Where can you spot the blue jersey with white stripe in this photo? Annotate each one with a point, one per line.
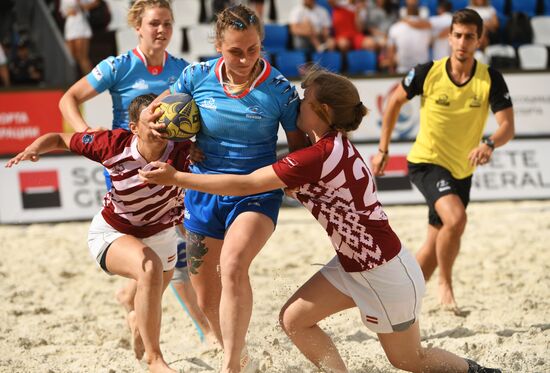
(239, 132)
(128, 76)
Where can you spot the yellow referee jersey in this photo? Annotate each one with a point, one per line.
(452, 117)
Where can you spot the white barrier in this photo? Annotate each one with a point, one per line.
(71, 187)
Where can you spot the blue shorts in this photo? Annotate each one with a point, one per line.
(210, 214)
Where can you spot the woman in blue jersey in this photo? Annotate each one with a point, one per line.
(148, 68)
(242, 99)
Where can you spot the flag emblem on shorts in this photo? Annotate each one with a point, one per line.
(39, 189)
(396, 175)
(371, 319)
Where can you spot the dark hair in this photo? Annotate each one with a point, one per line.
(341, 95)
(238, 17)
(138, 104)
(468, 17)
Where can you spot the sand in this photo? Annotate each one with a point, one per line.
(58, 312)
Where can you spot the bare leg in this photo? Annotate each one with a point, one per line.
(314, 301)
(453, 215)
(404, 352)
(188, 296)
(243, 241)
(426, 256)
(203, 259)
(129, 257)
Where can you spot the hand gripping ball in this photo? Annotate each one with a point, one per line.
(181, 116)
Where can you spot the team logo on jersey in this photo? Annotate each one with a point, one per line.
(87, 139)
(476, 102)
(409, 78)
(443, 185)
(209, 103)
(443, 100)
(289, 161)
(507, 96)
(254, 112)
(140, 84)
(97, 74)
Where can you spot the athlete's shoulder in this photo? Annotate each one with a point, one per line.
(280, 86)
(178, 61)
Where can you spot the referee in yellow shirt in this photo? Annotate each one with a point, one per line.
(456, 94)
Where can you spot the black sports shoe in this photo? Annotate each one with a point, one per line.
(474, 367)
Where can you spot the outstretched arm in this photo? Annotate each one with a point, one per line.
(44, 144)
(261, 180)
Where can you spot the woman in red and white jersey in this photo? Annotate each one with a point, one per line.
(371, 269)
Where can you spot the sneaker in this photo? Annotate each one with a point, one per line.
(474, 367)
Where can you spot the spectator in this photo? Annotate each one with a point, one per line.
(4, 71)
(440, 25)
(423, 11)
(488, 14)
(25, 69)
(348, 17)
(310, 27)
(381, 14)
(407, 45)
(78, 31)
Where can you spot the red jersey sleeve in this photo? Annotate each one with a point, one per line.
(302, 166)
(101, 145)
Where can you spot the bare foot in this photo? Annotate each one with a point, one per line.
(446, 296)
(137, 342)
(158, 365)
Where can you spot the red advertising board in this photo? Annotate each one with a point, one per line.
(26, 115)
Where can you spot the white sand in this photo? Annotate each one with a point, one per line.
(58, 313)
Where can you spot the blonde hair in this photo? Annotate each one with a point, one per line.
(341, 95)
(238, 17)
(135, 13)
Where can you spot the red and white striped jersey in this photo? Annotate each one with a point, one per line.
(131, 206)
(333, 182)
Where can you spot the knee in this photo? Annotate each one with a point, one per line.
(233, 271)
(151, 271)
(289, 320)
(457, 222)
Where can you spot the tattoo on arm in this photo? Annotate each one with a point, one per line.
(196, 250)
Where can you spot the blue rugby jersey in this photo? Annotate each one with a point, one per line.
(239, 132)
(128, 76)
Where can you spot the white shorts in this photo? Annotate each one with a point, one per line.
(101, 235)
(389, 296)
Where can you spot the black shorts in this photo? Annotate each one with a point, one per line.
(434, 182)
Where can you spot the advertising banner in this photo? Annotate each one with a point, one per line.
(26, 115)
(518, 170)
(57, 188)
(62, 188)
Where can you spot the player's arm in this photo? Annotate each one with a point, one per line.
(77, 94)
(396, 101)
(261, 180)
(296, 140)
(44, 144)
(501, 105)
